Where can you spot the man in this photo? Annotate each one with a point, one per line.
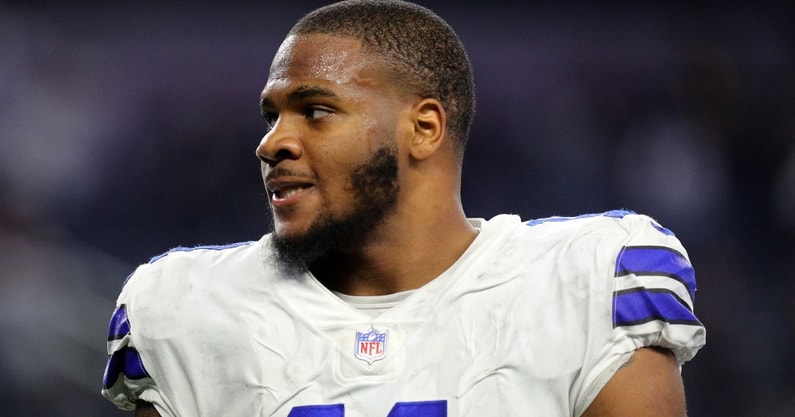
(375, 295)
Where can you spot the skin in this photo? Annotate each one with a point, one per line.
(330, 107)
(145, 409)
(649, 385)
(319, 138)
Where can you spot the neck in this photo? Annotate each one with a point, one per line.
(401, 255)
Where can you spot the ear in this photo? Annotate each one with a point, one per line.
(430, 121)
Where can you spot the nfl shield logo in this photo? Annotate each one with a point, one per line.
(370, 345)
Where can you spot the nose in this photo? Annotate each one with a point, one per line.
(279, 144)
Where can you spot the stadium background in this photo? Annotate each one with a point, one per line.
(127, 129)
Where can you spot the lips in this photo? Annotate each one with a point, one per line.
(282, 193)
(285, 185)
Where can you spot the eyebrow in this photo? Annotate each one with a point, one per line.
(302, 93)
(309, 91)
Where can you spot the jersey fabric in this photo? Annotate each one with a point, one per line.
(532, 320)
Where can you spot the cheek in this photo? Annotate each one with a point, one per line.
(380, 127)
(336, 162)
(372, 135)
(338, 156)
(334, 170)
(339, 153)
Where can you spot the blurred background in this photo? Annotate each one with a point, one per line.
(129, 128)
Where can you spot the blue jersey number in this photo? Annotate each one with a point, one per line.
(407, 409)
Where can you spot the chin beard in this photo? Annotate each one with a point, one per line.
(375, 189)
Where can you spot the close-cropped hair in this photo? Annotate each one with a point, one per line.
(422, 50)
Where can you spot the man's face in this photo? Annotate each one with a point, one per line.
(330, 159)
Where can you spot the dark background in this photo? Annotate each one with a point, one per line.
(128, 129)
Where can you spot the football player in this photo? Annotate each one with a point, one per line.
(375, 295)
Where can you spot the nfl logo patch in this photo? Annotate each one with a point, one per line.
(370, 345)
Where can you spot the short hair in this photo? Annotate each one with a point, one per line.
(422, 50)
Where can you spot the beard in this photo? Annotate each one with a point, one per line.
(375, 189)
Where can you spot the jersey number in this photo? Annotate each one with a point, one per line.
(407, 409)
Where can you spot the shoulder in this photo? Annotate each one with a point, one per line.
(650, 280)
(201, 251)
(605, 232)
(607, 258)
(217, 255)
(182, 269)
(167, 307)
(622, 223)
(567, 255)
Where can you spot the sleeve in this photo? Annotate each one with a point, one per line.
(125, 379)
(654, 291)
(651, 296)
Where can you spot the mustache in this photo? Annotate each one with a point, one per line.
(284, 172)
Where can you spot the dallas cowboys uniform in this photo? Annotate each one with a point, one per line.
(532, 320)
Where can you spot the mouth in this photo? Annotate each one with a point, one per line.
(286, 191)
(286, 186)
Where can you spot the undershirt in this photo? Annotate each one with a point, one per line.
(374, 305)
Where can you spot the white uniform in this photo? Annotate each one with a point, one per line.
(532, 320)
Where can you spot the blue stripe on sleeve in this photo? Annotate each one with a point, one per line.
(113, 369)
(657, 260)
(119, 326)
(133, 366)
(126, 361)
(638, 306)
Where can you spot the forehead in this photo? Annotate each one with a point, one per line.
(321, 59)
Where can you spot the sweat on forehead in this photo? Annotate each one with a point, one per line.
(317, 55)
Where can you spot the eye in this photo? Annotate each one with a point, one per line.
(317, 112)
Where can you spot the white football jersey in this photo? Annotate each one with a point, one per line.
(532, 320)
